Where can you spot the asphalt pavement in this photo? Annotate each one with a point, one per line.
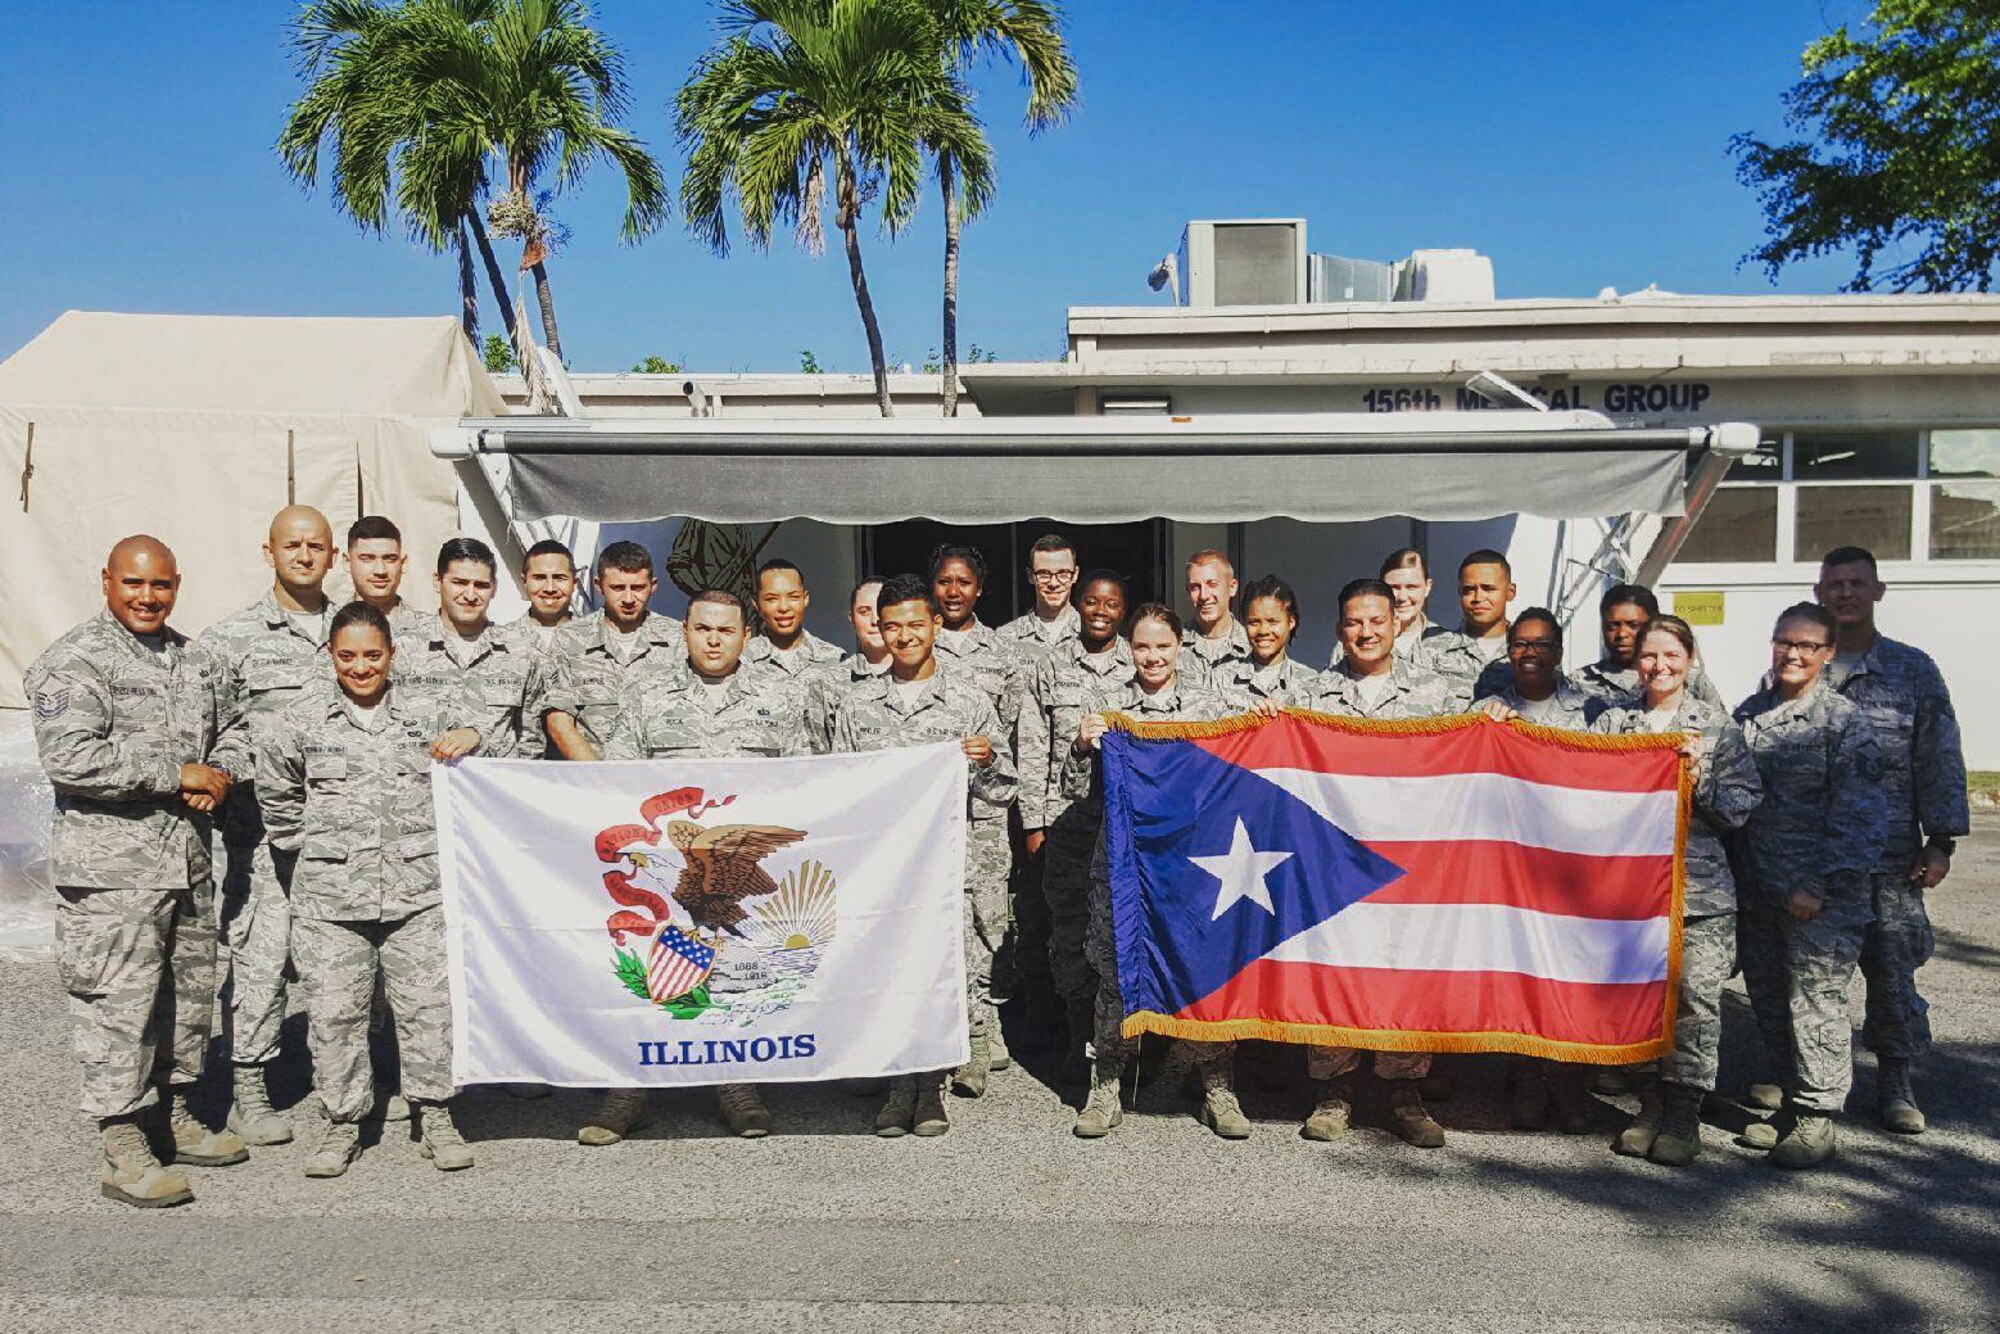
(1009, 1223)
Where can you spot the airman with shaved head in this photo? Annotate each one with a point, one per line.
(265, 656)
(128, 724)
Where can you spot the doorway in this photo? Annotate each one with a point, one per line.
(1136, 550)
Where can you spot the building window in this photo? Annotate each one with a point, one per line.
(1876, 517)
(1740, 524)
(1965, 511)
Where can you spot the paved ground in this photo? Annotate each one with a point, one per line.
(1009, 1223)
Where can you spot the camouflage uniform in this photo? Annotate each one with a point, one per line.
(1032, 638)
(1821, 828)
(1457, 656)
(1727, 792)
(1413, 692)
(1570, 706)
(811, 654)
(981, 656)
(265, 658)
(752, 714)
(353, 804)
(1202, 658)
(585, 674)
(1065, 685)
(874, 715)
(1618, 687)
(1243, 683)
(135, 937)
(825, 687)
(1923, 778)
(501, 682)
(1183, 702)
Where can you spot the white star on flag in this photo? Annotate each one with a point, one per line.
(1242, 870)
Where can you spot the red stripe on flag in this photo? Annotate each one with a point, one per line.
(1377, 999)
(1294, 743)
(1517, 876)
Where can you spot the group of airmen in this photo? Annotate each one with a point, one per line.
(303, 732)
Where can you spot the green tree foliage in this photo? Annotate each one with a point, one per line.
(656, 366)
(808, 363)
(499, 355)
(1907, 154)
(802, 98)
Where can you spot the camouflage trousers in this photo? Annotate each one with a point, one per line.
(1797, 974)
(1066, 889)
(1898, 942)
(1336, 1062)
(1708, 957)
(139, 967)
(1101, 949)
(338, 963)
(256, 920)
(988, 858)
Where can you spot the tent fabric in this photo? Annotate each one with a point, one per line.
(1088, 476)
(177, 426)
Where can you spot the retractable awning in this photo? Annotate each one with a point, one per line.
(1328, 467)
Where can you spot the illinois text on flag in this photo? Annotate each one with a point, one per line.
(1433, 885)
(660, 922)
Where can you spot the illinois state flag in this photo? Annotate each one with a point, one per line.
(1434, 885)
(667, 922)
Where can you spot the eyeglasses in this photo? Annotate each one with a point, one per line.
(1805, 648)
(1545, 647)
(1052, 576)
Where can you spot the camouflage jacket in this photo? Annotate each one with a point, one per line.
(1727, 790)
(873, 715)
(824, 688)
(753, 714)
(585, 678)
(1413, 692)
(498, 683)
(1024, 635)
(1568, 707)
(1065, 686)
(263, 661)
(1825, 815)
(995, 665)
(1618, 687)
(1455, 654)
(1923, 762)
(1242, 683)
(354, 804)
(1213, 654)
(1183, 702)
(114, 722)
(812, 652)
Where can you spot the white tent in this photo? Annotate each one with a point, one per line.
(196, 429)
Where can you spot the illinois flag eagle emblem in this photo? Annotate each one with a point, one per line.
(704, 921)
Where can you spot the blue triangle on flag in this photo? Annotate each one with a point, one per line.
(1167, 802)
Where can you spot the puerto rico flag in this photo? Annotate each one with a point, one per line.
(1432, 885)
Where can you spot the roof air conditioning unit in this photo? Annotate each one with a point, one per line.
(1445, 275)
(1335, 280)
(1244, 262)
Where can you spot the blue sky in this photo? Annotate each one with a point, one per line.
(1580, 145)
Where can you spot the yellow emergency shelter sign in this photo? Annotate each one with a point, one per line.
(1699, 608)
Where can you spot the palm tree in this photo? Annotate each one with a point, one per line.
(798, 90)
(365, 110)
(1028, 31)
(440, 95)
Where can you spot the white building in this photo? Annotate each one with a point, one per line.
(1880, 418)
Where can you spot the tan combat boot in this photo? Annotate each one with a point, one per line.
(1679, 1139)
(441, 1142)
(1636, 1140)
(251, 1115)
(1101, 1111)
(930, 1118)
(1810, 1143)
(1409, 1118)
(1331, 1113)
(744, 1110)
(620, 1113)
(1220, 1111)
(1895, 1101)
(969, 1080)
(132, 1175)
(896, 1114)
(339, 1145)
(195, 1145)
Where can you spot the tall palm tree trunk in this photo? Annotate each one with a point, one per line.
(468, 286)
(548, 305)
(494, 276)
(947, 177)
(847, 215)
